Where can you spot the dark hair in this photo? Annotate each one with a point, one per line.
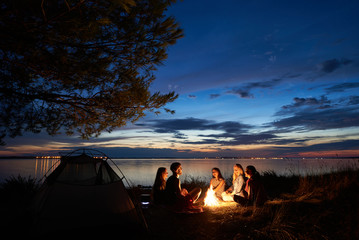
(219, 172)
(253, 170)
(175, 166)
(160, 183)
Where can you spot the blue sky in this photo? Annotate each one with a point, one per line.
(254, 78)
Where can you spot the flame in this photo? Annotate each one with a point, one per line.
(211, 199)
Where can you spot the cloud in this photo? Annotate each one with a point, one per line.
(176, 125)
(142, 152)
(353, 100)
(312, 113)
(231, 133)
(339, 146)
(231, 139)
(320, 120)
(244, 139)
(342, 87)
(321, 103)
(331, 65)
(127, 152)
(244, 91)
(192, 96)
(264, 84)
(214, 95)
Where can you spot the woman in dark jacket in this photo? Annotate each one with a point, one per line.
(254, 187)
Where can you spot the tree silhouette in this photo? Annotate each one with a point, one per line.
(81, 66)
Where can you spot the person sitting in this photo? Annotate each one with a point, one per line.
(255, 193)
(159, 186)
(237, 189)
(254, 187)
(176, 197)
(217, 183)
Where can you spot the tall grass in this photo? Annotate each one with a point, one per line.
(277, 185)
(191, 182)
(18, 190)
(326, 186)
(16, 194)
(320, 206)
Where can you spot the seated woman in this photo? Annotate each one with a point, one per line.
(179, 199)
(254, 187)
(237, 189)
(217, 183)
(255, 193)
(158, 189)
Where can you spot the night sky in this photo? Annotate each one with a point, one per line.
(254, 78)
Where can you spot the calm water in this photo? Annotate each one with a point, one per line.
(143, 171)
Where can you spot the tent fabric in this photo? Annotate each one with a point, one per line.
(83, 191)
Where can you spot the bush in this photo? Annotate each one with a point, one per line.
(18, 190)
(275, 185)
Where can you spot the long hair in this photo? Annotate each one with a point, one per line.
(241, 172)
(254, 171)
(160, 182)
(219, 173)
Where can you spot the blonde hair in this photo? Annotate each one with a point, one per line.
(241, 172)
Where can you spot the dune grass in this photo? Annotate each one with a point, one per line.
(321, 206)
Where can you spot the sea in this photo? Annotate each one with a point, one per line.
(143, 171)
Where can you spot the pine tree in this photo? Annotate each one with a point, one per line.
(81, 66)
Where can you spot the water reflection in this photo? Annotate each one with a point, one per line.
(142, 171)
(35, 168)
(45, 166)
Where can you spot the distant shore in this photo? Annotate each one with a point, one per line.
(18, 157)
(224, 158)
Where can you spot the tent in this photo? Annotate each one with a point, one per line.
(84, 191)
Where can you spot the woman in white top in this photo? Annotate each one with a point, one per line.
(238, 184)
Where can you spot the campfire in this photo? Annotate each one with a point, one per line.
(211, 199)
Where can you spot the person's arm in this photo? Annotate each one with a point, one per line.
(184, 192)
(180, 191)
(230, 189)
(247, 189)
(219, 186)
(239, 184)
(249, 194)
(235, 186)
(178, 187)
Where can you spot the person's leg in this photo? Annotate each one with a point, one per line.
(241, 200)
(227, 197)
(195, 193)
